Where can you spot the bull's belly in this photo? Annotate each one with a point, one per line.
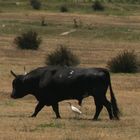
(58, 95)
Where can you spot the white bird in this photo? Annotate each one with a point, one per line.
(74, 109)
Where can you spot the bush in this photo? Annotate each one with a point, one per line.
(63, 57)
(28, 40)
(97, 6)
(36, 4)
(125, 62)
(64, 8)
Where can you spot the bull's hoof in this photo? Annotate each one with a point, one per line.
(96, 119)
(58, 117)
(33, 116)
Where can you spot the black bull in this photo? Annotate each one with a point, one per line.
(51, 84)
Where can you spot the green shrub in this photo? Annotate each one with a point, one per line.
(28, 40)
(97, 6)
(63, 57)
(125, 62)
(63, 8)
(36, 4)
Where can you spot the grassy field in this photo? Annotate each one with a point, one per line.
(99, 37)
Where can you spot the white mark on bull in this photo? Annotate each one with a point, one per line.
(60, 75)
(70, 74)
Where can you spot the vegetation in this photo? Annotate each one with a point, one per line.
(97, 6)
(125, 62)
(36, 4)
(63, 8)
(112, 7)
(28, 40)
(63, 57)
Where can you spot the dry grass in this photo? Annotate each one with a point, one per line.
(15, 123)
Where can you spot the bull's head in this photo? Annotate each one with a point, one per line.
(18, 86)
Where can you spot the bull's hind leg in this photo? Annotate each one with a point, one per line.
(108, 106)
(99, 106)
(56, 110)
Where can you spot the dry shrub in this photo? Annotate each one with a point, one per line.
(97, 6)
(28, 40)
(36, 4)
(64, 8)
(125, 62)
(63, 57)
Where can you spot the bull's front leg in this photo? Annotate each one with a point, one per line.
(37, 109)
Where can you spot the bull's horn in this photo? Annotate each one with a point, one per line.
(25, 72)
(13, 74)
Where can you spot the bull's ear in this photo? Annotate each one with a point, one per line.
(13, 74)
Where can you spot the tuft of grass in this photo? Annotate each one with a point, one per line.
(64, 8)
(50, 125)
(125, 62)
(97, 6)
(63, 57)
(28, 40)
(36, 4)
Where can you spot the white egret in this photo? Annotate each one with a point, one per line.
(75, 109)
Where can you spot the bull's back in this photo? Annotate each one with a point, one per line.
(73, 80)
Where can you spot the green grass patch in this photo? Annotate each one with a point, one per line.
(12, 5)
(8, 27)
(107, 32)
(53, 125)
(120, 33)
(111, 8)
(50, 125)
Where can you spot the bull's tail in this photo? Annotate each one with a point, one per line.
(115, 108)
